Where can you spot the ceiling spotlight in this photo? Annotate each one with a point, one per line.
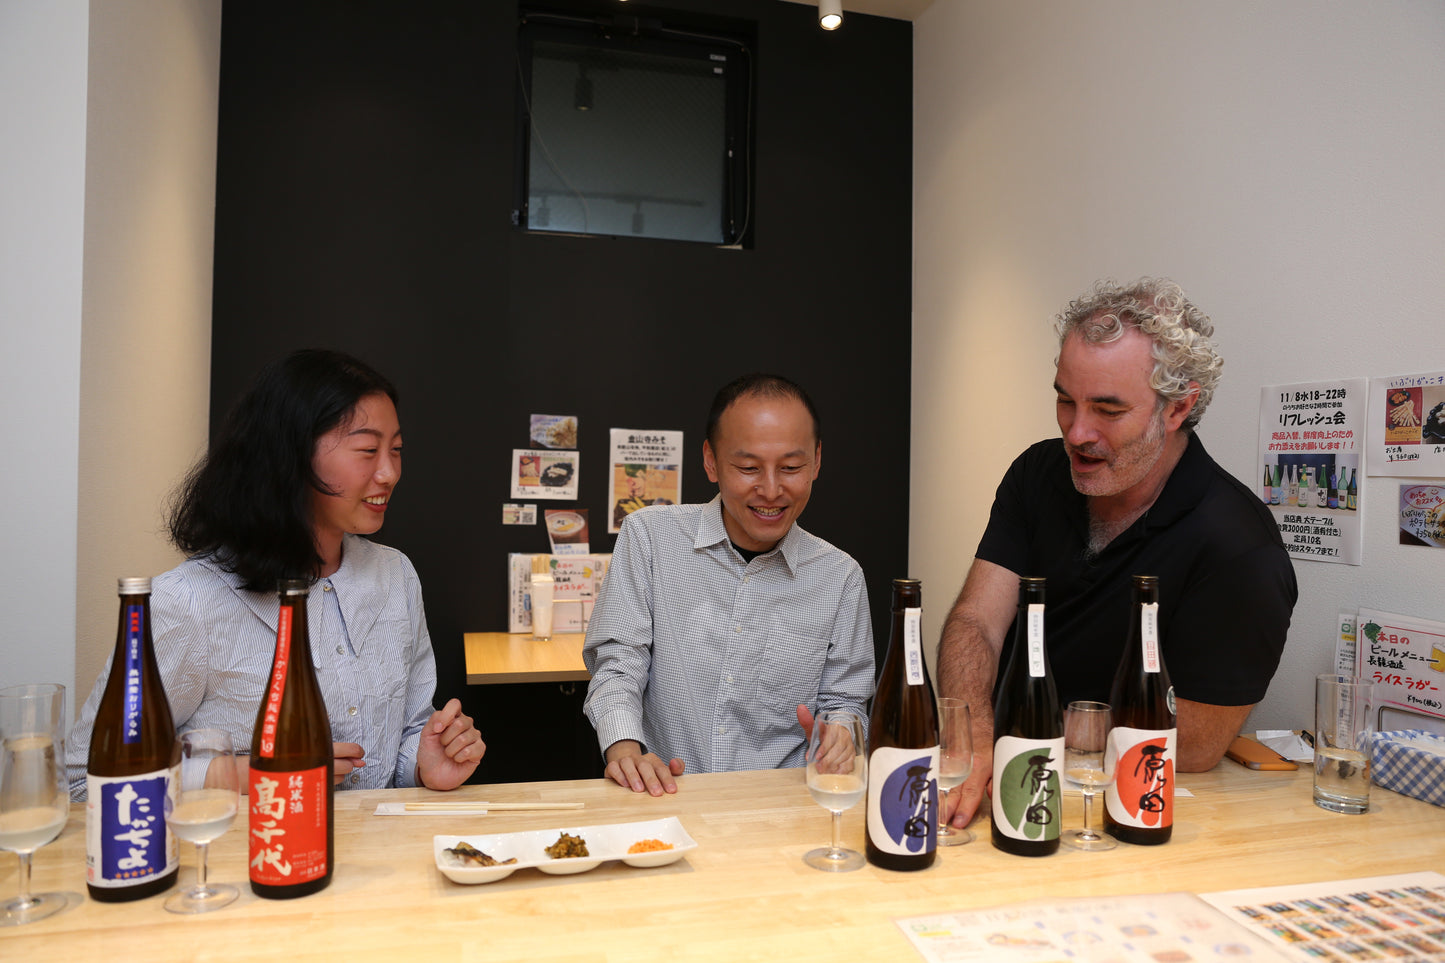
(830, 14)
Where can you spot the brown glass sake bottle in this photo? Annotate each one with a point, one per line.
(291, 795)
(902, 806)
(1028, 739)
(133, 771)
(1139, 804)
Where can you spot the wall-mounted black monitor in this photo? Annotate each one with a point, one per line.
(629, 126)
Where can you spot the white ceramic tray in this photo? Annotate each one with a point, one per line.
(604, 842)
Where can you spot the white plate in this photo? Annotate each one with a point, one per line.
(605, 842)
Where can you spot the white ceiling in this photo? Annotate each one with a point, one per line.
(897, 9)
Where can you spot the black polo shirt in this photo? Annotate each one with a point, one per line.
(1226, 585)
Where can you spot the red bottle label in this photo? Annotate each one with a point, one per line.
(1143, 792)
(288, 825)
(278, 682)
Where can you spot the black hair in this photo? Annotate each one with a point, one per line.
(247, 501)
(762, 385)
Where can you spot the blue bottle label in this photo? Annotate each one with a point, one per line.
(134, 635)
(903, 800)
(128, 839)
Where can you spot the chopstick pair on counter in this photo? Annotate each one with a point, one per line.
(468, 807)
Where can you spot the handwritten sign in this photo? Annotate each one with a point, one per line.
(1405, 658)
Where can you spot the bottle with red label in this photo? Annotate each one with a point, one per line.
(1139, 805)
(291, 796)
(133, 770)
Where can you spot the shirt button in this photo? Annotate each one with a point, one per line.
(326, 587)
(746, 578)
(341, 650)
(352, 711)
(737, 628)
(722, 730)
(730, 676)
(355, 778)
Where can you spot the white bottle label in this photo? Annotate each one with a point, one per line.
(1027, 797)
(913, 645)
(1036, 641)
(1149, 633)
(1142, 794)
(128, 839)
(903, 800)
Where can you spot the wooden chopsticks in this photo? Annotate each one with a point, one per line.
(462, 807)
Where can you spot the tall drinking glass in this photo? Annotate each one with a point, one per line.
(837, 778)
(205, 809)
(955, 759)
(1086, 765)
(34, 796)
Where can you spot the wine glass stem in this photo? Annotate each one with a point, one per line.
(23, 901)
(1088, 795)
(201, 868)
(837, 831)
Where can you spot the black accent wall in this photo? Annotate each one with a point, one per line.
(364, 191)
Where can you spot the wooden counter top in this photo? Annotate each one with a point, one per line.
(515, 657)
(743, 894)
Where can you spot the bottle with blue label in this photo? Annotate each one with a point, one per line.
(902, 801)
(133, 772)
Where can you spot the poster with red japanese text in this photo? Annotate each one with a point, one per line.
(1311, 462)
(1409, 411)
(1405, 658)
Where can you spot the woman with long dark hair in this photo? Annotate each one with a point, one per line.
(303, 466)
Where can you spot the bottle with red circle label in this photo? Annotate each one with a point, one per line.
(1139, 804)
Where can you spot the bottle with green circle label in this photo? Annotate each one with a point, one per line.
(1028, 739)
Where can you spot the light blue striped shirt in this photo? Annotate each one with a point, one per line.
(214, 642)
(700, 655)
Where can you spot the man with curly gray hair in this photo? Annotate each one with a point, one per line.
(1127, 490)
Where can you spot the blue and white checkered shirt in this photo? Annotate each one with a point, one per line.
(700, 655)
(214, 642)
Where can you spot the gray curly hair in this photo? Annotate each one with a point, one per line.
(1180, 332)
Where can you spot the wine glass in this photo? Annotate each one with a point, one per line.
(205, 809)
(837, 778)
(955, 760)
(34, 796)
(1086, 765)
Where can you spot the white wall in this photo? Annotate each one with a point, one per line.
(149, 235)
(106, 215)
(42, 195)
(1285, 162)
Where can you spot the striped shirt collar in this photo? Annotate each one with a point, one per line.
(712, 531)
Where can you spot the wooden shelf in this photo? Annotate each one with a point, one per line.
(496, 657)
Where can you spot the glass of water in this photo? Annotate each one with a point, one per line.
(955, 760)
(1344, 722)
(1087, 765)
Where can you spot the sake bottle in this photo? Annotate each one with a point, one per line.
(902, 802)
(133, 771)
(1342, 490)
(291, 795)
(1139, 805)
(1354, 491)
(1322, 482)
(1028, 738)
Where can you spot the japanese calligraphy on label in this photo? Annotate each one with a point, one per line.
(1311, 446)
(646, 469)
(1409, 411)
(1422, 515)
(127, 826)
(288, 825)
(1405, 658)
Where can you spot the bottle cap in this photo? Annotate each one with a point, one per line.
(293, 586)
(133, 586)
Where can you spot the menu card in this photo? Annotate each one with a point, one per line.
(1379, 918)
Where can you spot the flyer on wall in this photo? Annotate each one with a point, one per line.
(1311, 441)
(1409, 411)
(539, 473)
(645, 469)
